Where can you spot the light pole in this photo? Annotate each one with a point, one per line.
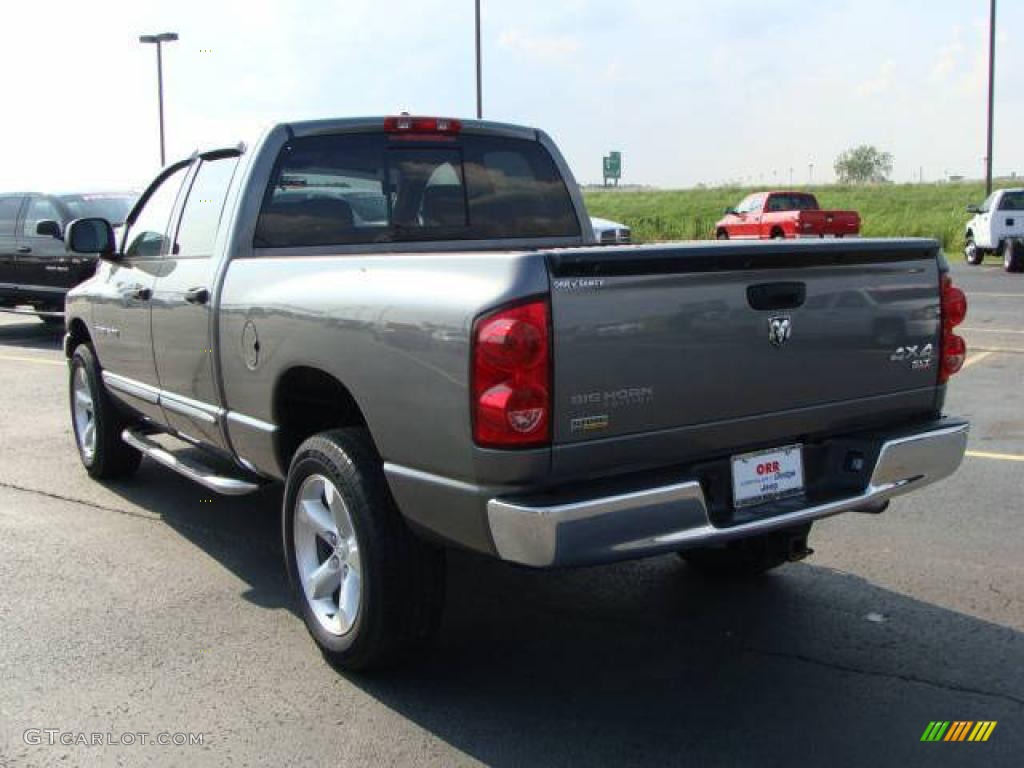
(991, 92)
(163, 37)
(479, 81)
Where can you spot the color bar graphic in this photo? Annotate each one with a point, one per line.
(958, 730)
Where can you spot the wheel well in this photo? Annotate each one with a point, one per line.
(308, 401)
(968, 233)
(79, 334)
(778, 231)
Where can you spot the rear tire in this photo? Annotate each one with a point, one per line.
(1013, 256)
(972, 253)
(370, 591)
(778, 234)
(721, 235)
(96, 421)
(750, 557)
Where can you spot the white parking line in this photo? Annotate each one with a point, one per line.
(995, 295)
(996, 456)
(993, 330)
(977, 358)
(43, 360)
(1011, 350)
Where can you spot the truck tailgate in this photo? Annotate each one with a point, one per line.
(654, 339)
(828, 222)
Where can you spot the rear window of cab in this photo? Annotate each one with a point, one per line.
(363, 188)
(792, 202)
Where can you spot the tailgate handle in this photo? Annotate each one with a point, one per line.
(771, 296)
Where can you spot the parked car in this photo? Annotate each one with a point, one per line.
(997, 228)
(470, 372)
(777, 215)
(36, 270)
(609, 232)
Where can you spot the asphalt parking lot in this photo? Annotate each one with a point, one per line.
(149, 607)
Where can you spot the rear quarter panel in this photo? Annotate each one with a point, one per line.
(784, 220)
(394, 329)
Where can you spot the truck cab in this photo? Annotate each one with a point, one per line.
(997, 228)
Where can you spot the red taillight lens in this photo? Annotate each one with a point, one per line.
(410, 124)
(511, 377)
(954, 303)
(954, 310)
(954, 350)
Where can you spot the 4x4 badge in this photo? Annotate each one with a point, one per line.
(779, 329)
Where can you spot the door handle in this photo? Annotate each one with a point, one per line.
(141, 293)
(197, 295)
(24, 249)
(770, 296)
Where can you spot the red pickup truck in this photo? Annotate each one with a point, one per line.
(765, 215)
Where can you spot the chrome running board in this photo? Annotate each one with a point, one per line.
(188, 467)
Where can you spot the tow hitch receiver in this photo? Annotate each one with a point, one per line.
(798, 549)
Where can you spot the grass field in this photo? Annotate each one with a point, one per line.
(892, 210)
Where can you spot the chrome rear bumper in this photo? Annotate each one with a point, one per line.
(674, 517)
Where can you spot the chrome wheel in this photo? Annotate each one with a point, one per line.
(327, 555)
(84, 414)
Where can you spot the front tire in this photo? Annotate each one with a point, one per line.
(749, 557)
(370, 591)
(972, 254)
(1013, 256)
(721, 235)
(96, 421)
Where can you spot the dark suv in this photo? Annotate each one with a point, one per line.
(35, 268)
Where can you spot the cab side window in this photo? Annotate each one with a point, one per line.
(40, 209)
(204, 208)
(147, 236)
(1012, 201)
(9, 207)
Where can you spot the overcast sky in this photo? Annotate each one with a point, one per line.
(689, 90)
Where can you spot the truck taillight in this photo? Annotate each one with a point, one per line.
(511, 377)
(954, 310)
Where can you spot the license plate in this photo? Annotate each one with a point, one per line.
(767, 475)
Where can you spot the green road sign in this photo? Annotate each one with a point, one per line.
(613, 165)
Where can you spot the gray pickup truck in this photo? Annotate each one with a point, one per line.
(408, 322)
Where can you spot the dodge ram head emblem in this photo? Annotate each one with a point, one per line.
(779, 329)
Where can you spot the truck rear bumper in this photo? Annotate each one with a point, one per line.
(827, 236)
(556, 530)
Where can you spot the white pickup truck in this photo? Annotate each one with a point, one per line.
(997, 227)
